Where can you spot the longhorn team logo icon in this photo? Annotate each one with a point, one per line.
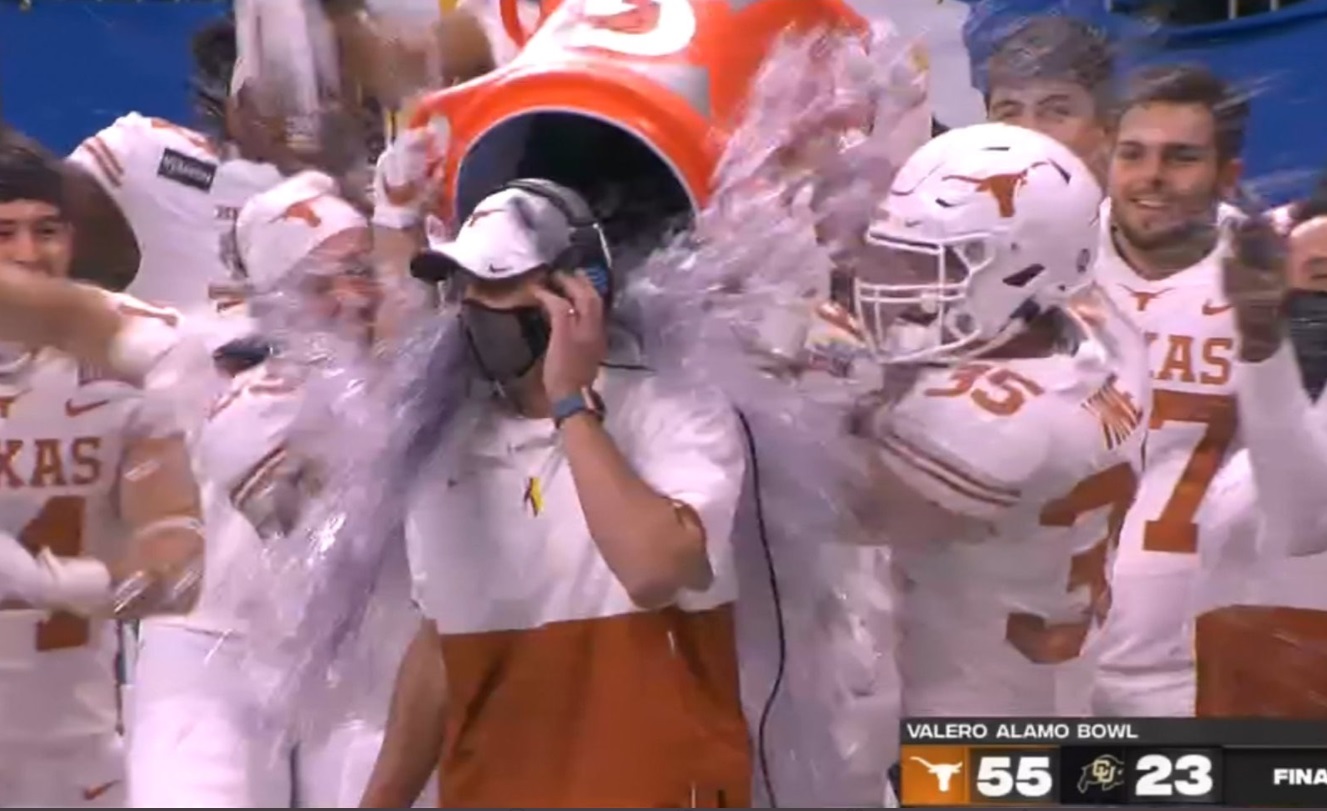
(933, 775)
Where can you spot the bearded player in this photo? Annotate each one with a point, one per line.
(1010, 451)
(1176, 156)
(99, 520)
(204, 736)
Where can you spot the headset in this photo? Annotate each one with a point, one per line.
(588, 248)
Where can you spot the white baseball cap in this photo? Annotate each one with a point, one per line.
(511, 232)
(279, 230)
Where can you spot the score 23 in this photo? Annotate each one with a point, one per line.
(648, 28)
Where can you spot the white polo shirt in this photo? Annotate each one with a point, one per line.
(496, 536)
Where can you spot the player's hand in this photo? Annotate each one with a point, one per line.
(579, 342)
(1256, 286)
(402, 187)
(21, 576)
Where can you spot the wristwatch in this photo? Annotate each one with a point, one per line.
(587, 399)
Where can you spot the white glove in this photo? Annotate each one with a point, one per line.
(82, 585)
(401, 187)
(20, 575)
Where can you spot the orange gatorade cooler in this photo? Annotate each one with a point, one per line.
(629, 101)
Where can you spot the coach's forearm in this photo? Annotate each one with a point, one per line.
(653, 545)
(404, 296)
(412, 746)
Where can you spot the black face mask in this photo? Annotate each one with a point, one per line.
(1307, 314)
(505, 343)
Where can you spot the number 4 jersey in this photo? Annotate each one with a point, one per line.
(65, 433)
(1043, 452)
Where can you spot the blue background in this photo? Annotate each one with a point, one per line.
(68, 67)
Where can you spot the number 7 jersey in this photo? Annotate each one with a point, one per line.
(1043, 454)
(1192, 431)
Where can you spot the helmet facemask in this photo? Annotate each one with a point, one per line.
(913, 299)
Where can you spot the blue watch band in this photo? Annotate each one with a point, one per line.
(585, 400)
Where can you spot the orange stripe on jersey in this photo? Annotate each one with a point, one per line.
(110, 153)
(944, 473)
(105, 160)
(258, 476)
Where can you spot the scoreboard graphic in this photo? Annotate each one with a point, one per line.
(1181, 762)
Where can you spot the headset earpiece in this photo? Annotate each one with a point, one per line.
(601, 278)
(588, 249)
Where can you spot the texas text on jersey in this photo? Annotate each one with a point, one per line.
(1044, 452)
(65, 434)
(180, 194)
(1192, 431)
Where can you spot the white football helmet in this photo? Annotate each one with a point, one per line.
(985, 227)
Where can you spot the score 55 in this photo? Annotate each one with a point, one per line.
(1015, 775)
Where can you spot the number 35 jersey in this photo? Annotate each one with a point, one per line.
(1042, 454)
(64, 430)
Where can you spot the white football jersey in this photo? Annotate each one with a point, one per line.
(65, 432)
(1044, 453)
(1192, 431)
(238, 449)
(180, 193)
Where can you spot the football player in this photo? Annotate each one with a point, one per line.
(194, 705)
(1009, 447)
(156, 201)
(99, 521)
(1054, 74)
(203, 735)
(1176, 157)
